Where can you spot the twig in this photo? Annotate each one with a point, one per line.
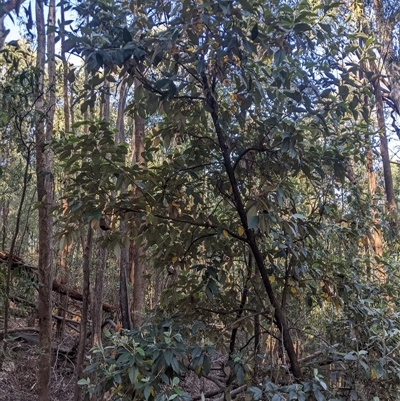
(234, 392)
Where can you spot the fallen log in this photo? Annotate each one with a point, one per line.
(33, 339)
(69, 322)
(19, 330)
(58, 287)
(17, 262)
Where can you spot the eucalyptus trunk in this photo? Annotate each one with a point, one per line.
(137, 251)
(85, 308)
(5, 209)
(12, 251)
(63, 299)
(97, 298)
(44, 170)
(65, 72)
(384, 149)
(124, 229)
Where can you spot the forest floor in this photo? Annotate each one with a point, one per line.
(18, 374)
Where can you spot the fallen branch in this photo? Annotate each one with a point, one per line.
(234, 392)
(20, 330)
(208, 395)
(58, 287)
(317, 353)
(110, 322)
(23, 301)
(17, 262)
(69, 322)
(219, 383)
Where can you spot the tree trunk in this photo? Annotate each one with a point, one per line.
(375, 238)
(137, 250)
(280, 316)
(5, 209)
(124, 257)
(51, 70)
(97, 302)
(44, 169)
(63, 298)
(65, 72)
(386, 24)
(26, 225)
(85, 307)
(97, 299)
(12, 248)
(387, 170)
(242, 304)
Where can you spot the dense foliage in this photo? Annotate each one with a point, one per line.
(253, 200)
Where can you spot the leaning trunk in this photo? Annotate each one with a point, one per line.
(279, 314)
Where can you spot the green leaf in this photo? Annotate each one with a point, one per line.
(168, 356)
(344, 91)
(253, 222)
(239, 374)
(350, 357)
(164, 378)
(206, 365)
(126, 35)
(175, 366)
(318, 395)
(279, 56)
(133, 374)
(71, 76)
(325, 93)
(146, 391)
(254, 32)
(302, 28)
(327, 28)
(201, 65)
(255, 392)
(84, 107)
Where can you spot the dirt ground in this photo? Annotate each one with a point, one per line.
(18, 376)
